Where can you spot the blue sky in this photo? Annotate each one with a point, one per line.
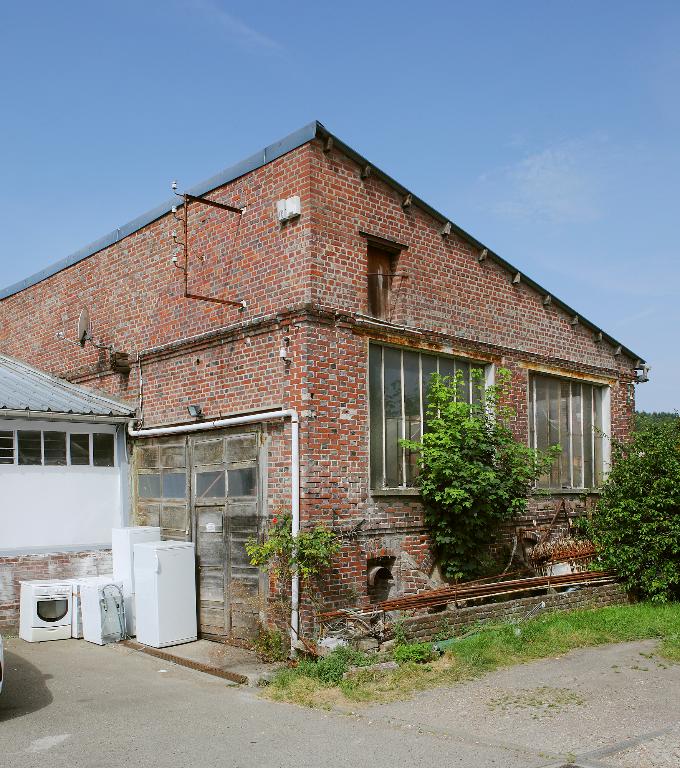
(548, 130)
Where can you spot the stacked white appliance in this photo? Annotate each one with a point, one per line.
(165, 593)
(123, 541)
(76, 604)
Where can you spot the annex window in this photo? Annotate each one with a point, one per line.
(570, 414)
(102, 449)
(398, 382)
(6, 447)
(381, 269)
(30, 447)
(57, 448)
(80, 449)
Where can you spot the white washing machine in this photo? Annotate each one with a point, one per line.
(45, 610)
(76, 603)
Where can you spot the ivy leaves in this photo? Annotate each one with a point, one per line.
(474, 475)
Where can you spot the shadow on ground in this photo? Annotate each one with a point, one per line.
(24, 689)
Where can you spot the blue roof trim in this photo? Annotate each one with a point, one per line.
(272, 152)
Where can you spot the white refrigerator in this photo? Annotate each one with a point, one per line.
(123, 541)
(165, 593)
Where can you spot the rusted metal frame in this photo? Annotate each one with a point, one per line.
(214, 203)
(192, 198)
(465, 592)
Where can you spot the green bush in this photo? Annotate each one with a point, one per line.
(474, 474)
(330, 669)
(308, 553)
(636, 526)
(271, 644)
(413, 652)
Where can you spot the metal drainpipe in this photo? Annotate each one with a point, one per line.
(255, 418)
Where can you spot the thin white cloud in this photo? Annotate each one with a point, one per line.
(560, 184)
(235, 28)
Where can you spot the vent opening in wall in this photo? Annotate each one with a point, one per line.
(381, 583)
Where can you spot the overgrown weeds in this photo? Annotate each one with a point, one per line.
(322, 683)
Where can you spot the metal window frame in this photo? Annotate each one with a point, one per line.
(402, 427)
(605, 405)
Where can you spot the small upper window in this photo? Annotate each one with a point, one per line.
(381, 268)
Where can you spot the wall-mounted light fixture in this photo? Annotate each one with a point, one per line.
(195, 411)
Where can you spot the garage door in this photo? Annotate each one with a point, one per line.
(206, 488)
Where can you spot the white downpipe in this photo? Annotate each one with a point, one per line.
(256, 418)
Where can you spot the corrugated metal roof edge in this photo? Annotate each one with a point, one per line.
(272, 152)
(121, 408)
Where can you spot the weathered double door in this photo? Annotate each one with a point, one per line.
(225, 503)
(206, 488)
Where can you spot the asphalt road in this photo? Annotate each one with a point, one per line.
(74, 704)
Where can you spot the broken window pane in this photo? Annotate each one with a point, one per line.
(375, 396)
(242, 482)
(174, 485)
(398, 384)
(149, 486)
(393, 416)
(6, 447)
(102, 449)
(210, 485)
(55, 448)
(568, 413)
(80, 449)
(30, 447)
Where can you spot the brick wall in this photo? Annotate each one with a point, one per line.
(305, 282)
(55, 565)
(452, 621)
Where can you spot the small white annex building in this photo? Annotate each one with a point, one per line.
(63, 467)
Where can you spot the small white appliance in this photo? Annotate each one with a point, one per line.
(165, 593)
(76, 605)
(123, 541)
(45, 610)
(103, 611)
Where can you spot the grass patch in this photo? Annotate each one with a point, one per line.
(322, 684)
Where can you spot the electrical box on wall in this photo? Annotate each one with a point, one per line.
(288, 209)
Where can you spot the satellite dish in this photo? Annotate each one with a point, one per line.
(83, 330)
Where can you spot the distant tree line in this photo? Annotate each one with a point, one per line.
(644, 419)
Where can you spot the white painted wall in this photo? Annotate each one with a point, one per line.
(51, 507)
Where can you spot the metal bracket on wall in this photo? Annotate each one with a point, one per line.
(184, 245)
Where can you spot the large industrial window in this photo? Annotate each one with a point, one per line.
(570, 414)
(398, 382)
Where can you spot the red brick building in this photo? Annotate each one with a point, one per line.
(339, 312)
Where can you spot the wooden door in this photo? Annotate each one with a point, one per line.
(225, 510)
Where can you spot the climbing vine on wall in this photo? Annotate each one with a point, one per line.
(474, 474)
